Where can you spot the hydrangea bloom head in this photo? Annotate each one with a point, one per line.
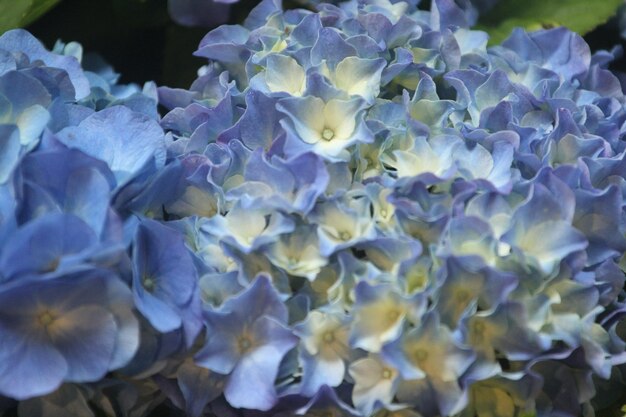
(359, 210)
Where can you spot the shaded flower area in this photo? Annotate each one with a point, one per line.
(355, 211)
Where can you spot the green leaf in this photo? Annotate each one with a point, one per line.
(19, 13)
(579, 15)
(37, 9)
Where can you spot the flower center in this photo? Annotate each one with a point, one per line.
(417, 280)
(327, 134)
(345, 236)
(329, 337)
(393, 315)
(462, 296)
(46, 318)
(244, 344)
(387, 373)
(420, 355)
(149, 284)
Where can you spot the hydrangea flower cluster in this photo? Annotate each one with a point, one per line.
(359, 211)
(73, 143)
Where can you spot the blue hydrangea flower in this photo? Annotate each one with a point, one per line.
(24, 103)
(19, 43)
(71, 182)
(324, 127)
(165, 280)
(528, 223)
(324, 350)
(48, 246)
(247, 228)
(369, 211)
(282, 74)
(341, 225)
(375, 383)
(75, 328)
(354, 76)
(419, 170)
(126, 150)
(430, 364)
(291, 185)
(246, 340)
(298, 253)
(379, 315)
